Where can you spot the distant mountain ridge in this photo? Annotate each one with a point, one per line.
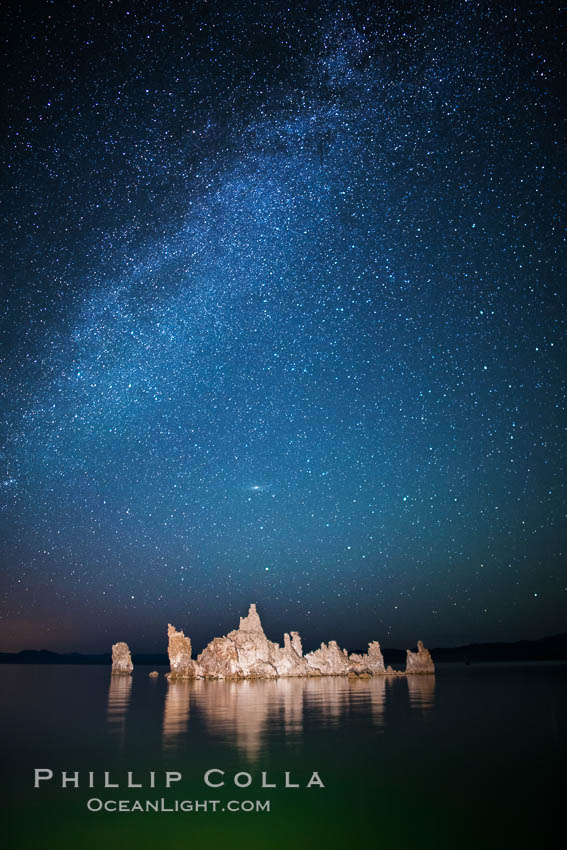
(552, 648)
(45, 656)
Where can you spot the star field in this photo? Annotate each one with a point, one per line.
(283, 322)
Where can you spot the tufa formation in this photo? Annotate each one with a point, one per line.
(246, 653)
(179, 651)
(420, 661)
(121, 659)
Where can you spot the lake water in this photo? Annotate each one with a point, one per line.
(470, 758)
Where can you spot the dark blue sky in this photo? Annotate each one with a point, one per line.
(283, 322)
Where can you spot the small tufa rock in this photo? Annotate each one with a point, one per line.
(121, 659)
(179, 651)
(328, 660)
(219, 660)
(288, 660)
(296, 644)
(154, 674)
(372, 663)
(420, 661)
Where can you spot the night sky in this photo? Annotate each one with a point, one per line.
(283, 321)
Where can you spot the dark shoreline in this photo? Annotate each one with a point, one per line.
(553, 648)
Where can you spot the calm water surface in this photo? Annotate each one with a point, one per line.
(470, 758)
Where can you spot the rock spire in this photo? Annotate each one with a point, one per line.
(420, 661)
(121, 659)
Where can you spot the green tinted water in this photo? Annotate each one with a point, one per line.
(467, 759)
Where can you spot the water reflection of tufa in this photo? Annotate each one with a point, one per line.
(334, 697)
(245, 712)
(119, 694)
(377, 692)
(290, 704)
(329, 696)
(371, 692)
(421, 692)
(176, 712)
(242, 710)
(239, 711)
